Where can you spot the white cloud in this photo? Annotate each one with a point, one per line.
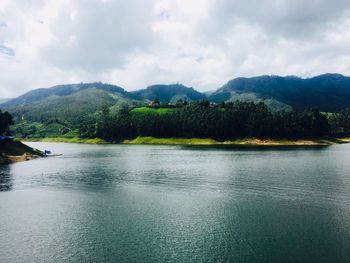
(201, 43)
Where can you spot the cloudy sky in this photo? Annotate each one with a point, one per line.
(136, 43)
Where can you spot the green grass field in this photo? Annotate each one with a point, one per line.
(170, 141)
(66, 140)
(40, 130)
(147, 110)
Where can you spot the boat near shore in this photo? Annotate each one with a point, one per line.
(48, 153)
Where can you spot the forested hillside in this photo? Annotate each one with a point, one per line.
(38, 95)
(222, 122)
(328, 92)
(60, 110)
(169, 93)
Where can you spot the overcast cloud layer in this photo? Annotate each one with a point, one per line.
(200, 43)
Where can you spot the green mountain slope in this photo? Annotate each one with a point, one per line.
(328, 92)
(58, 110)
(169, 93)
(3, 100)
(66, 102)
(38, 95)
(67, 108)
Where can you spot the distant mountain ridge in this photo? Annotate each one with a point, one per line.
(66, 103)
(169, 93)
(4, 100)
(328, 92)
(61, 90)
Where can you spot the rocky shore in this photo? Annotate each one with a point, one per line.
(16, 151)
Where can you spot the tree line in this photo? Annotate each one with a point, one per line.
(224, 121)
(5, 121)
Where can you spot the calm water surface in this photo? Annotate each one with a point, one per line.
(118, 203)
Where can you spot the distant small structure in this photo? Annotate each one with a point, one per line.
(154, 103)
(180, 103)
(213, 105)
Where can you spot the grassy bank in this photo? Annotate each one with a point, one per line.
(174, 141)
(245, 141)
(152, 111)
(67, 140)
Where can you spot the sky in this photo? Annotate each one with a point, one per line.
(137, 43)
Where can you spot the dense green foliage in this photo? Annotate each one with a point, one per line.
(169, 93)
(38, 95)
(5, 122)
(340, 122)
(203, 120)
(51, 128)
(68, 108)
(74, 110)
(328, 92)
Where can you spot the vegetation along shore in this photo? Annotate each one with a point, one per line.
(200, 141)
(265, 110)
(10, 150)
(201, 123)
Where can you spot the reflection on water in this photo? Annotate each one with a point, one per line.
(6, 181)
(232, 147)
(108, 203)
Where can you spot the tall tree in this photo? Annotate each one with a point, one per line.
(5, 121)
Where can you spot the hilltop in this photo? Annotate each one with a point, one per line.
(169, 93)
(328, 92)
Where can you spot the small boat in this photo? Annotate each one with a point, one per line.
(48, 153)
(53, 155)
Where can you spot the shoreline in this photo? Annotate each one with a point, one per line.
(15, 151)
(322, 141)
(19, 158)
(66, 140)
(240, 142)
(23, 152)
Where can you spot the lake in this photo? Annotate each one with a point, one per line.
(138, 203)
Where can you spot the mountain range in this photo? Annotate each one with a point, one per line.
(328, 92)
